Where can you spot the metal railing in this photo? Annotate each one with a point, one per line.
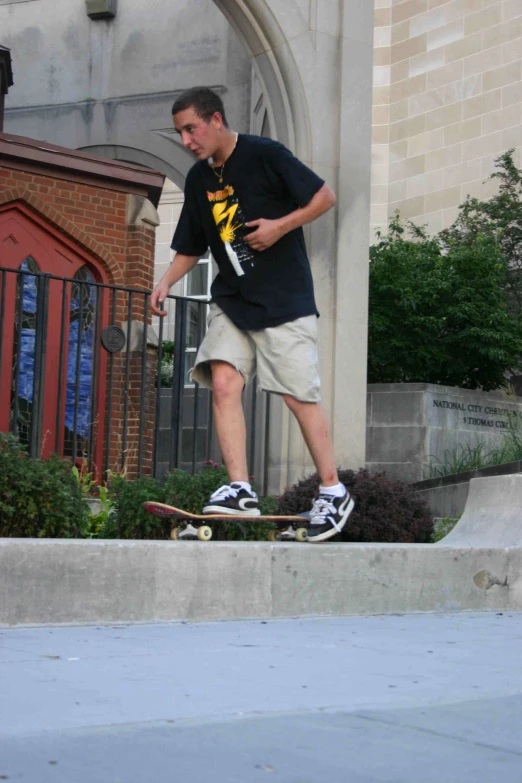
(86, 372)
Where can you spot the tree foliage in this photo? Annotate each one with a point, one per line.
(500, 217)
(438, 313)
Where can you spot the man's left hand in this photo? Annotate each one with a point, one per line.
(267, 233)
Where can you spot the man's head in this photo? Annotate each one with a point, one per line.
(199, 118)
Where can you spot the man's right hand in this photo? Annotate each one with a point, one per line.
(158, 297)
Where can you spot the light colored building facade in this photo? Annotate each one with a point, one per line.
(447, 101)
(298, 70)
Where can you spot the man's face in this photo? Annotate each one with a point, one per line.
(198, 136)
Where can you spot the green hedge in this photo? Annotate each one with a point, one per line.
(44, 498)
(130, 520)
(38, 498)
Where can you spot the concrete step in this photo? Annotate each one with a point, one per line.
(58, 581)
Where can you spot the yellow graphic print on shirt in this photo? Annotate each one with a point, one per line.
(230, 222)
(225, 220)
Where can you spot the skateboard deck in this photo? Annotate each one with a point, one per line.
(199, 525)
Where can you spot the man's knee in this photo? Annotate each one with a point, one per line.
(295, 404)
(227, 382)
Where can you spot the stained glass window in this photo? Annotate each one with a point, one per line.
(22, 385)
(80, 350)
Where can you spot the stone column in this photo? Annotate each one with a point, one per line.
(322, 51)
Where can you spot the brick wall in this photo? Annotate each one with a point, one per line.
(95, 218)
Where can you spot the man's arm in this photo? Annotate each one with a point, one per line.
(181, 264)
(268, 232)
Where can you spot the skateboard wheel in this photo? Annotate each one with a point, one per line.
(272, 536)
(204, 533)
(301, 534)
(174, 534)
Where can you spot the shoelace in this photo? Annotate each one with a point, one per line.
(322, 508)
(224, 492)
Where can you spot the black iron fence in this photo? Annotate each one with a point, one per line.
(86, 372)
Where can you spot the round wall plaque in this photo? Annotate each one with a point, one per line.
(112, 338)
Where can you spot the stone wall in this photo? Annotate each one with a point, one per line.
(447, 102)
(412, 423)
(108, 85)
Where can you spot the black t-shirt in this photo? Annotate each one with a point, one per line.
(261, 179)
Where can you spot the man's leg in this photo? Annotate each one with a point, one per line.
(331, 509)
(225, 361)
(236, 498)
(314, 425)
(229, 418)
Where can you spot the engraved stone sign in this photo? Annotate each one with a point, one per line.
(412, 424)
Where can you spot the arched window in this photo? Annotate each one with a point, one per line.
(80, 370)
(24, 344)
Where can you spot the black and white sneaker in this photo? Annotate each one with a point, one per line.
(233, 499)
(328, 516)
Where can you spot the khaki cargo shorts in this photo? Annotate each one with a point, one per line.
(283, 357)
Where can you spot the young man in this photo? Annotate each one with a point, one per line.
(247, 198)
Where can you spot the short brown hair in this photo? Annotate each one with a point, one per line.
(203, 100)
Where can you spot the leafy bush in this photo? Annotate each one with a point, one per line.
(130, 520)
(438, 313)
(167, 364)
(442, 527)
(166, 375)
(385, 510)
(38, 498)
(191, 492)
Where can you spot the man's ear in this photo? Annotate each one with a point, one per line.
(217, 119)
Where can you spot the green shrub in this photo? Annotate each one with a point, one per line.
(443, 526)
(385, 510)
(438, 313)
(190, 492)
(167, 364)
(129, 519)
(38, 498)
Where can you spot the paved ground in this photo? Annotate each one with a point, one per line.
(401, 699)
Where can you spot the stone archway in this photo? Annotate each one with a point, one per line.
(262, 35)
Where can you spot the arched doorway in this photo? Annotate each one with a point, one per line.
(52, 376)
(262, 34)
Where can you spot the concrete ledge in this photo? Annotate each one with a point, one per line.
(72, 581)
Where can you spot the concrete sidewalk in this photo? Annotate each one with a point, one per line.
(405, 699)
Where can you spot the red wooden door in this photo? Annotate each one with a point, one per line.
(30, 244)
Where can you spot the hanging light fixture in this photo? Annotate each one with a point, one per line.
(100, 9)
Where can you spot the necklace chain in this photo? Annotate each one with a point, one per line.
(219, 174)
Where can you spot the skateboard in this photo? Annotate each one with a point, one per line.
(288, 528)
